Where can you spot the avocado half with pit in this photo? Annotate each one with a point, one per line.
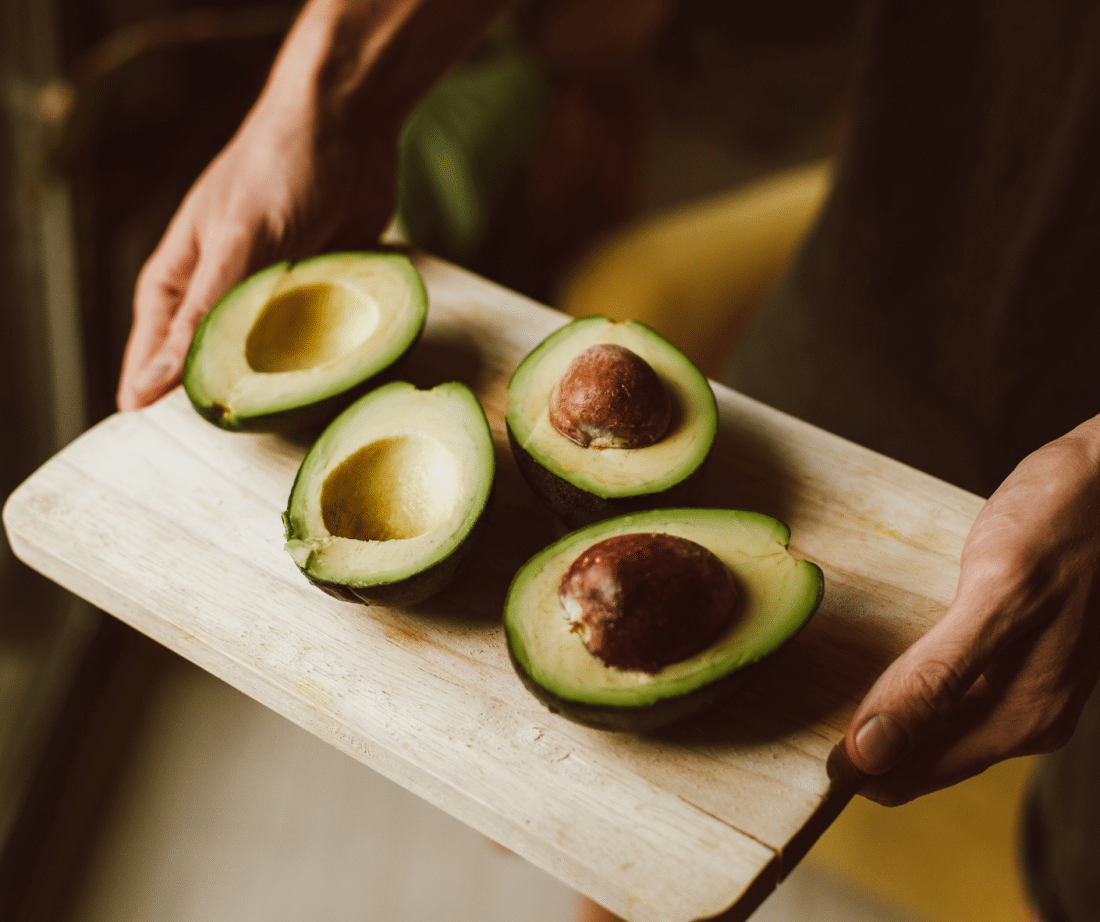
(774, 596)
(389, 501)
(627, 375)
(294, 344)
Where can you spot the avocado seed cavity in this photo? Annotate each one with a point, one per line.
(641, 602)
(398, 487)
(308, 327)
(610, 397)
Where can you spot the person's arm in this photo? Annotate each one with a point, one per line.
(1007, 670)
(312, 166)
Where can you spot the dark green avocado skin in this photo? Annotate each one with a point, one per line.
(664, 705)
(648, 717)
(626, 719)
(294, 420)
(578, 507)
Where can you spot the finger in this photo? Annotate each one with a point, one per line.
(989, 614)
(161, 288)
(927, 681)
(985, 728)
(949, 752)
(1028, 701)
(922, 685)
(219, 268)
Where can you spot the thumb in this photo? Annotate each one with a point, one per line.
(919, 689)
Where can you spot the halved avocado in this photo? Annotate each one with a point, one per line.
(294, 344)
(388, 502)
(777, 595)
(584, 484)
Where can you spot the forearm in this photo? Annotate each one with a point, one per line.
(364, 64)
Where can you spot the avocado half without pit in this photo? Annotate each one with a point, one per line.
(608, 417)
(640, 620)
(294, 344)
(388, 502)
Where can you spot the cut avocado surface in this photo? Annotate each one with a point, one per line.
(583, 484)
(389, 500)
(295, 343)
(777, 595)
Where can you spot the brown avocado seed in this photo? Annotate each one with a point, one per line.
(610, 397)
(643, 601)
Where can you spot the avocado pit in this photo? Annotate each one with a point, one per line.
(641, 602)
(610, 397)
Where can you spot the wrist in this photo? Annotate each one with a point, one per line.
(357, 68)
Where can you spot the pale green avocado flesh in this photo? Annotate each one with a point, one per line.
(585, 484)
(778, 594)
(389, 500)
(294, 344)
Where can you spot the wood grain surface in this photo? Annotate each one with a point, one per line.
(173, 526)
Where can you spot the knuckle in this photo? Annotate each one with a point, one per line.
(1050, 731)
(1051, 739)
(238, 234)
(190, 314)
(1004, 574)
(933, 687)
(150, 284)
(147, 274)
(159, 287)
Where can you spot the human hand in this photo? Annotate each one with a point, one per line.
(314, 165)
(1008, 668)
(287, 185)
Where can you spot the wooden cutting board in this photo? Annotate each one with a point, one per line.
(174, 526)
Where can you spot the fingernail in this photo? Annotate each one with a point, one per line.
(881, 742)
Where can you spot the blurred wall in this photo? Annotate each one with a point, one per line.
(43, 630)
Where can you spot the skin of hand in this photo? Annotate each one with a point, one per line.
(312, 166)
(275, 192)
(1007, 670)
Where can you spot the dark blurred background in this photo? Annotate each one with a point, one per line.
(572, 120)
